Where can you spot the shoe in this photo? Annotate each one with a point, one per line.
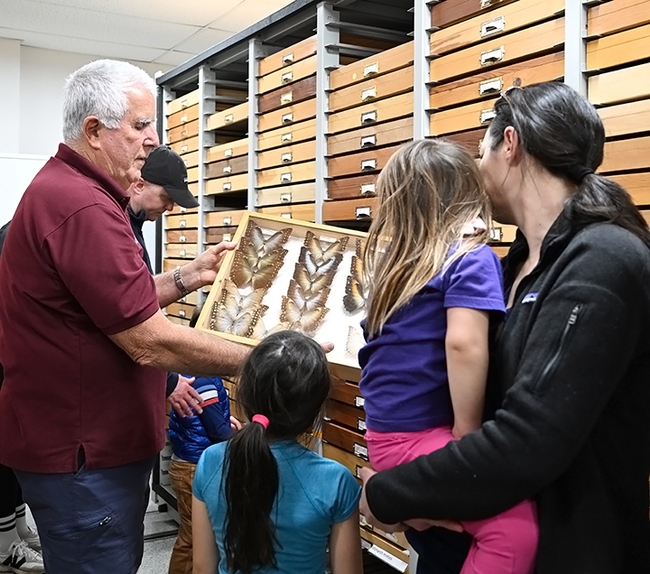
(32, 539)
(21, 558)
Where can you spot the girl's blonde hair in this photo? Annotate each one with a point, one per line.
(428, 192)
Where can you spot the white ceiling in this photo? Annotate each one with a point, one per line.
(166, 32)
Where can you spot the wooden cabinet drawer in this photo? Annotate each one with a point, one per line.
(183, 132)
(617, 15)
(224, 218)
(183, 117)
(287, 75)
(626, 118)
(182, 251)
(349, 209)
(636, 184)
(347, 393)
(215, 235)
(183, 102)
(345, 439)
(226, 184)
(190, 220)
(182, 236)
(295, 173)
(367, 161)
(177, 321)
(287, 135)
(374, 89)
(186, 146)
(617, 49)
(192, 174)
(621, 85)
(384, 110)
(518, 45)
(233, 115)
(178, 209)
(299, 193)
(502, 20)
(500, 250)
(502, 233)
(470, 140)
(302, 211)
(371, 137)
(287, 95)
(287, 155)
(171, 264)
(378, 546)
(625, 155)
(351, 462)
(287, 116)
(227, 167)
(351, 187)
(181, 310)
(228, 150)
(447, 12)
(191, 159)
(288, 56)
(463, 118)
(375, 65)
(493, 82)
(191, 298)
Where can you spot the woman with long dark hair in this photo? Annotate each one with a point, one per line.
(572, 359)
(263, 502)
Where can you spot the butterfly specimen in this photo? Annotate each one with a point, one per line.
(313, 266)
(235, 302)
(355, 296)
(354, 341)
(252, 269)
(266, 244)
(301, 319)
(305, 300)
(312, 284)
(323, 251)
(236, 313)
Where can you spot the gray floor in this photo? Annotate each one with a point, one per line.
(160, 534)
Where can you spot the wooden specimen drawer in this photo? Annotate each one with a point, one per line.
(463, 118)
(225, 151)
(503, 20)
(192, 174)
(180, 310)
(518, 45)
(287, 75)
(349, 209)
(620, 86)
(180, 209)
(287, 95)
(183, 117)
(287, 116)
(299, 193)
(171, 264)
(502, 233)
(622, 48)
(375, 112)
(351, 187)
(288, 56)
(351, 462)
(637, 185)
(450, 11)
(190, 220)
(191, 298)
(184, 236)
(233, 115)
(287, 155)
(387, 61)
(347, 393)
(225, 167)
(182, 251)
(374, 89)
(227, 184)
(215, 235)
(626, 118)
(178, 321)
(287, 135)
(302, 211)
(371, 137)
(183, 132)
(355, 163)
(617, 15)
(183, 102)
(223, 218)
(194, 188)
(500, 250)
(493, 82)
(295, 173)
(191, 159)
(470, 140)
(626, 155)
(346, 439)
(386, 550)
(186, 146)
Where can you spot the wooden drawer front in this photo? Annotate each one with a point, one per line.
(287, 116)
(351, 462)
(186, 146)
(637, 185)
(191, 159)
(189, 236)
(345, 439)
(215, 235)
(300, 193)
(288, 56)
(371, 137)
(500, 250)
(183, 117)
(626, 154)
(618, 49)
(367, 161)
(384, 110)
(183, 132)
(381, 543)
(228, 117)
(492, 82)
(349, 209)
(227, 184)
(287, 175)
(287, 155)
(178, 321)
(288, 95)
(375, 89)
(621, 85)
(351, 187)
(347, 393)
(287, 136)
(189, 220)
(224, 218)
(178, 209)
(194, 188)
(228, 150)
(617, 15)
(502, 233)
(450, 11)
(287, 75)
(387, 61)
(180, 310)
(183, 102)
(186, 251)
(304, 211)
(191, 298)
(192, 174)
(626, 118)
(510, 48)
(465, 118)
(171, 264)
(470, 140)
(227, 167)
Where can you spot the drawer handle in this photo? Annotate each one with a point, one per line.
(487, 116)
(182, 252)
(227, 220)
(496, 234)
(369, 117)
(493, 27)
(226, 186)
(182, 239)
(184, 148)
(226, 237)
(181, 312)
(227, 169)
(492, 56)
(287, 59)
(368, 141)
(285, 197)
(228, 152)
(286, 138)
(360, 451)
(359, 401)
(286, 215)
(362, 213)
(285, 178)
(286, 157)
(184, 118)
(369, 94)
(361, 424)
(490, 87)
(182, 223)
(183, 133)
(228, 119)
(183, 103)
(367, 189)
(286, 98)
(182, 209)
(287, 118)
(286, 77)
(371, 69)
(368, 164)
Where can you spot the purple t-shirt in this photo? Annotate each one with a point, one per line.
(404, 378)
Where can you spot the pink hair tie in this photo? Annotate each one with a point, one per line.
(261, 419)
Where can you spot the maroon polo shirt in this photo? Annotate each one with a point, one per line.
(71, 273)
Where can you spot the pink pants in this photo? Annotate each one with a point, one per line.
(504, 544)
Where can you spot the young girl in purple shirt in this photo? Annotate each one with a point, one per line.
(434, 293)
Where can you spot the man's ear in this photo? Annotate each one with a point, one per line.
(138, 185)
(91, 128)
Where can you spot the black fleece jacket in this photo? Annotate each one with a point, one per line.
(573, 431)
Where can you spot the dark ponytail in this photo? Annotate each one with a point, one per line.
(563, 132)
(286, 379)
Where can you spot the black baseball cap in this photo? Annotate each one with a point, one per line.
(165, 167)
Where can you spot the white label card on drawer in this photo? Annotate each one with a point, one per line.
(493, 26)
(369, 117)
(184, 148)
(496, 234)
(286, 157)
(359, 401)
(226, 186)
(388, 558)
(287, 77)
(227, 169)
(367, 189)
(362, 212)
(368, 164)
(226, 237)
(369, 94)
(228, 119)
(182, 209)
(286, 138)
(228, 152)
(487, 116)
(368, 141)
(361, 424)
(371, 69)
(492, 56)
(181, 312)
(287, 59)
(285, 178)
(285, 198)
(184, 118)
(287, 118)
(490, 87)
(182, 223)
(286, 98)
(227, 220)
(182, 252)
(286, 215)
(182, 239)
(361, 451)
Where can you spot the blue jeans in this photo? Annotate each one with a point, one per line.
(90, 521)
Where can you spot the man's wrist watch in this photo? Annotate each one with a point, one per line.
(179, 282)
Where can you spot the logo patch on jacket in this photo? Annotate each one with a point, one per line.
(529, 298)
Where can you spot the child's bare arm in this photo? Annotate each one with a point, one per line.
(345, 546)
(204, 547)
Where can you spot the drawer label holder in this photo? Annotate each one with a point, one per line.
(490, 87)
(369, 94)
(366, 189)
(493, 27)
(368, 164)
(362, 213)
(285, 197)
(287, 118)
(368, 141)
(287, 59)
(286, 98)
(371, 69)
(369, 117)
(487, 116)
(286, 77)
(285, 178)
(286, 157)
(492, 56)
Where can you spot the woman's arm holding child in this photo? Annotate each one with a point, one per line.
(204, 546)
(345, 546)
